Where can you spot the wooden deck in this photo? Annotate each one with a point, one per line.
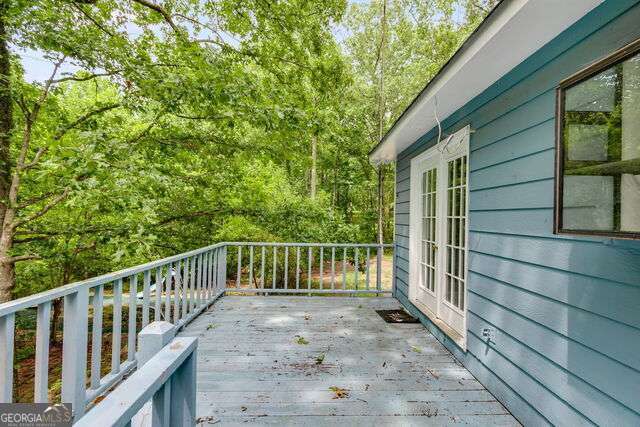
(329, 361)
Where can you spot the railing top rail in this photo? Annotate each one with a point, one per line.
(36, 299)
(324, 245)
(125, 401)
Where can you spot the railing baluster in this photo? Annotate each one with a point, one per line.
(117, 326)
(146, 284)
(192, 283)
(298, 267)
(205, 277)
(333, 267)
(199, 282)
(214, 271)
(344, 269)
(133, 308)
(209, 275)
(161, 406)
(367, 267)
(309, 267)
(223, 270)
(250, 266)
(355, 267)
(156, 314)
(275, 265)
(321, 267)
(185, 288)
(177, 294)
(379, 267)
(286, 267)
(168, 284)
(183, 386)
(43, 328)
(74, 349)
(239, 276)
(7, 333)
(202, 270)
(96, 336)
(263, 255)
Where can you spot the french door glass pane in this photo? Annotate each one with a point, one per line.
(429, 229)
(456, 231)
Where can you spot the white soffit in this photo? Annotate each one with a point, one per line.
(512, 33)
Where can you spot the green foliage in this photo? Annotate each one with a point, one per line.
(194, 125)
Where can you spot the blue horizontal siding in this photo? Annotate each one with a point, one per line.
(566, 309)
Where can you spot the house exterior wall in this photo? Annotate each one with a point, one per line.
(565, 309)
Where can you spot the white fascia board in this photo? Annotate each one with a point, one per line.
(509, 36)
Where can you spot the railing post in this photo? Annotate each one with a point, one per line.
(74, 350)
(222, 268)
(151, 339)
(7, 332)
(183, 388)
(379, 254)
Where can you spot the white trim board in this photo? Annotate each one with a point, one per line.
(516, 30)
(434, 304)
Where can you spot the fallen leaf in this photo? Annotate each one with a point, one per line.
(339, 393)
(416, 349)
(301, 340)
(320, 359)
(307, 317)
(211, 326)
(209, 420)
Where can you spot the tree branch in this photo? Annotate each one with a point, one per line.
(23, 258)
(84, 118)
(89, 77)
(159, 9)
(36, 159)
(46, 208)
(76, 5)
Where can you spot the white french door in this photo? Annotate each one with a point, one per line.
(438, 233)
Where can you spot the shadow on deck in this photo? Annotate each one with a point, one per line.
(329, 361)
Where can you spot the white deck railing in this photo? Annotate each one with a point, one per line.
(174, 289)
(317, 268)
(183, 286)
(161, 393)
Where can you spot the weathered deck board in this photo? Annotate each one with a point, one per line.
(253, 369)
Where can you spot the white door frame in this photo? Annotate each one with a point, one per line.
(451, 147)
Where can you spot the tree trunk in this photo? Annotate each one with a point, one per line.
(7, 264)
(314, 170)
(6, 111)
(334, 195)
(7, 278)
(55, 320)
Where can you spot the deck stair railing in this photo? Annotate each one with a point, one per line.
(174, 289)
